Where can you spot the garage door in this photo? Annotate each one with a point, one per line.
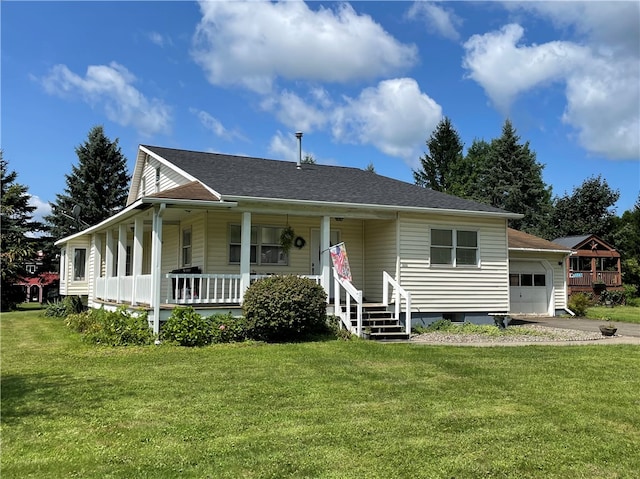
(528, 283)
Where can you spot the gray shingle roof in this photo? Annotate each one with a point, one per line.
(232, 175)
(571, 241)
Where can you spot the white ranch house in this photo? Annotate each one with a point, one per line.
(199, 227)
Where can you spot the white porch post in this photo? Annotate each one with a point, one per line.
(96, 244)
(122, 259)
(245, 253)
(108, 263)
(325, 266)
(136, 260)
(156, 265)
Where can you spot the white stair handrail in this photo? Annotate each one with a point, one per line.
(399, 292)
(351, 292)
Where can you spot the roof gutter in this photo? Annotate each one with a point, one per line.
(143, 204)
(364, 206)
(539, 250)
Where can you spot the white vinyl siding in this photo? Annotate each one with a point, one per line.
(447, 289)
(158, 177)
(79, 287)
(380, 252)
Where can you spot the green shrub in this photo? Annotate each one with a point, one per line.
(114, 328)
(579, 303)
(81, 322)
(440, 325)
(226, 328)
(282, 308)
(65, 307)
(187, 328)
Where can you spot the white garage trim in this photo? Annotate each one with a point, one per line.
(530, 266)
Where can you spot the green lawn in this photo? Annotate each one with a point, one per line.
(328, 409)
(625, 314)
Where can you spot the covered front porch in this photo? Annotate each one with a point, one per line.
(169, 255)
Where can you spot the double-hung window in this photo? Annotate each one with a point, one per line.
(265, 245)
(79, 264)
(186, 247)
(454, 247)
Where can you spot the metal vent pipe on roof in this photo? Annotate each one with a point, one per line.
(299, 137)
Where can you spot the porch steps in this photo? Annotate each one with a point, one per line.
(383, 326)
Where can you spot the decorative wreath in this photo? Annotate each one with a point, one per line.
(299, 242)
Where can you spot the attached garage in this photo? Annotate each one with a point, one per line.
(537, 278)
(528, 282)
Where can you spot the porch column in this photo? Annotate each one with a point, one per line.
(325, 262)
(156, 264)
(245, 253)
(108, 264)
(122, 260)
(136, 257)
(96, 244)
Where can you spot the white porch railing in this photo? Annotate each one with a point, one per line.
(350, 293)
(106, 289)
(203, 288)
(195, 288)
(399, 294)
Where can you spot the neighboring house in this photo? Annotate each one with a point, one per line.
(199, 227)
(593, 266)
(40, 288)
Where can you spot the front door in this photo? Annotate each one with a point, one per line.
(316, 265)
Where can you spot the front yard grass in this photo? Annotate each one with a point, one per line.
(623, 314)
(333, 409)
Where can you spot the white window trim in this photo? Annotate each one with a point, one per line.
(258, 245)
(183, 246)
(454, 247)
(73, 265)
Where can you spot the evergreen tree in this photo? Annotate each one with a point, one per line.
(96, 187)
(510, 178)
(440, 164)
(16, 216)
(588, 210)
(470, 172)
(370, 167)
(308, 160)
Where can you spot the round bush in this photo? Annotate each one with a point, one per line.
(283, 308)
(187, 328)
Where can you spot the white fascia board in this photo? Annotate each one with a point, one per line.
(363, 206)
(565, 252)
(175, 168)
(128, 211)
(184, 203)
(141, 204)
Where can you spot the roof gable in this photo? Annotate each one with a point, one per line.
(585, 242)
(236, 177)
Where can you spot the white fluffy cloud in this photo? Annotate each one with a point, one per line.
(253, 43)
(437, 19)
(296, 112)
(394, 117)
(111, 87)
(602, 84)
(214, 125)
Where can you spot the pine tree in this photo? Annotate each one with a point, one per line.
(469, 173)
(440, 164)
(511, 179)
(16, 216)
(97, 186)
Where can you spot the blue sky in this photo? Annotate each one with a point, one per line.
(365, 81)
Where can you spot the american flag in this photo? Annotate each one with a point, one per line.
(340, 261)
